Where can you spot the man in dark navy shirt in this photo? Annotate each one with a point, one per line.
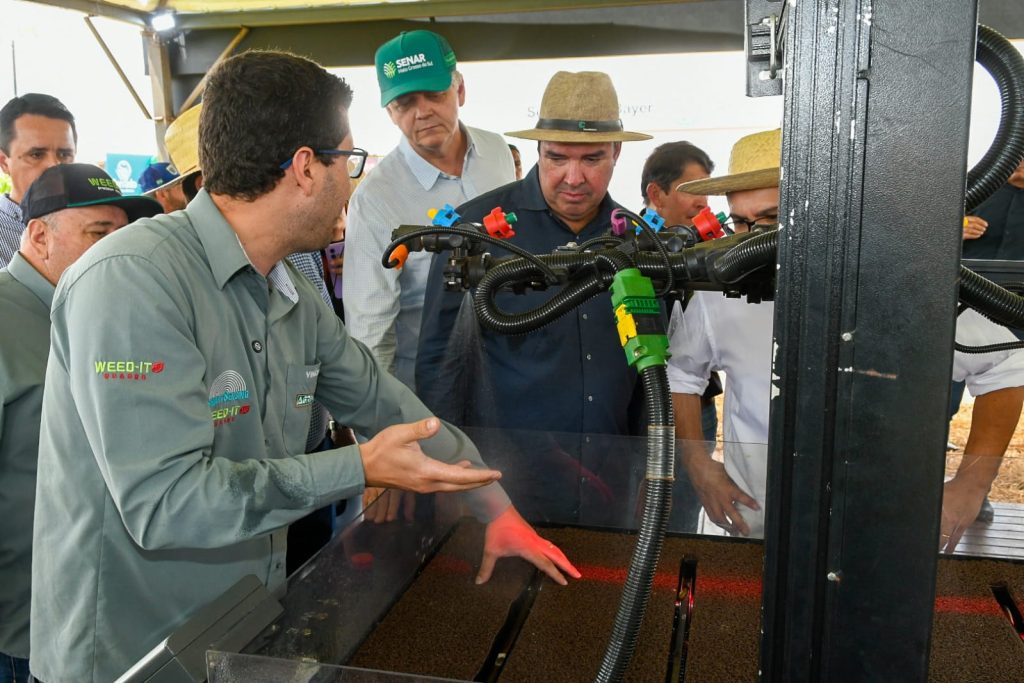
(568, 380)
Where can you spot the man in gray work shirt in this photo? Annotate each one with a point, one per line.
(185, 354)
(67, 210)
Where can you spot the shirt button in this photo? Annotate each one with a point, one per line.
(590, 398)
(584, 316)
(589, 357)
(587, 439)
(257, 345)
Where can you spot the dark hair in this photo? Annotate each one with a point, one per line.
(668, 161)
(32, 103)
(258, 108)
(190, 185)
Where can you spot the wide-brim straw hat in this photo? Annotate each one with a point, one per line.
(579, 107)
(753, 165)
(182, 142)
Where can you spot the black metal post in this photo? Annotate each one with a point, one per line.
(874, 154)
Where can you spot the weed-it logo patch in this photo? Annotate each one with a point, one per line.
(389, 69)
(128, 369)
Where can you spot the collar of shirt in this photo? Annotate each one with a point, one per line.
(10, 208)
(426, 173)
(224, 250)
(25, 273)
(282, 281)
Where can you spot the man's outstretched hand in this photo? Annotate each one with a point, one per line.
(393, 459)
(508, 535)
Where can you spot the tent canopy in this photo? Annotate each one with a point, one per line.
(1003, 15)
(237, 13)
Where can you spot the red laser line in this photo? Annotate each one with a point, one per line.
(725, 586)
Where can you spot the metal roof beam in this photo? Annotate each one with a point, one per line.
(101, 9)
(361, 13)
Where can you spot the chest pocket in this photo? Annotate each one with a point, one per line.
(301, 388)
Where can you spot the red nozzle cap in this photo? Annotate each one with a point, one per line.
(707, 225)
(499, 224)
(400, 253)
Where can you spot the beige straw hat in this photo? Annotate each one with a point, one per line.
(579, 107)
(182, 142)
(753, 164)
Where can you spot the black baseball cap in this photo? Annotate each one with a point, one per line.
(69, 186)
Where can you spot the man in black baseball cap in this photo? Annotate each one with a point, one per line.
(67, 210)
(72, 186)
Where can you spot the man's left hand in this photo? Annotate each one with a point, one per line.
(974, 227)
(508, 535)
(961, 502)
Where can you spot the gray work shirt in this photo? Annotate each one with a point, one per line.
(25, 297)
(174, 423)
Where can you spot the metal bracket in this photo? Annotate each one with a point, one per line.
(762, 44)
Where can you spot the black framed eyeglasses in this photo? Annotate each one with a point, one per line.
(759, 222)
(356, 159)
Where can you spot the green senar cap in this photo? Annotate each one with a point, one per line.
(414, 61)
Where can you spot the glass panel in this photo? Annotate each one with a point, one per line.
(228, 667)
(400, 596)
(998, 530)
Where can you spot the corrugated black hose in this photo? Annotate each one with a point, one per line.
(657, 506)
(569, 297)
(1002, 60)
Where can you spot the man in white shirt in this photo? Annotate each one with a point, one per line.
(717, 333)
(438, 161)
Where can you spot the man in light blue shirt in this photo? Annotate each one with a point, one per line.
(36, 132)
(438, 161)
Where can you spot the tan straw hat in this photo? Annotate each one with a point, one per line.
(182, 142)
(753, 164)
(579, 107)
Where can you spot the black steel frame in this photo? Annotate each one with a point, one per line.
(874, 154)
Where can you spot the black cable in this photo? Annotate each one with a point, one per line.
(389, 262)
(642, 224)
(601, 239)
(990, 348)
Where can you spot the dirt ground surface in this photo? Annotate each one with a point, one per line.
(1009, 485)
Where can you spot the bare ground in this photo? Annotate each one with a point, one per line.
(1008, 486)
